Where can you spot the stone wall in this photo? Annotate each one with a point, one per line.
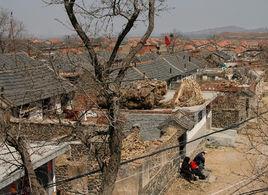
(224, 118)
(76, 161)
(66, 168)
(152, 174)
(230, 109)
(40, 131)
(159, 182)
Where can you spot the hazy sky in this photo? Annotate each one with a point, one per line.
(187, 15)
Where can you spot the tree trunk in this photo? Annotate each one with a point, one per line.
(2, 46)
(20, 145)
(110, 170)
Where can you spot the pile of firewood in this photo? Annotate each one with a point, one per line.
(133, 145)
(143, 94)
(188, 94)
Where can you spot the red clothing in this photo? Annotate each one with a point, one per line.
(193, 165)
(167, 41)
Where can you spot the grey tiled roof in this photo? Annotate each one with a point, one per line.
(75, 62)
(148, 123)
(8, 61)
(182, 120)
(159, 69)
(147, 57)
(164, 67)
(199, 62)
(24, 80)
(71, 62)
(222, 55)
(183, 63)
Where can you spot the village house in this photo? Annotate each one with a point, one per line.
(31, 89)
(165, 67)
(158, 129)
(219, 58)
(240, 91)
(12, 180)
(250, 55)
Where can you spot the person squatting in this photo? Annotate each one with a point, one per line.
(191, 170)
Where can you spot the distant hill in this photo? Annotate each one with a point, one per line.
(232, 29)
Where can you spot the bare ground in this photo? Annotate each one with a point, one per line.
(234, 170)
(225, 165)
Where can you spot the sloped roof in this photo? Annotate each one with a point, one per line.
(148, 124)
(41, 153)
(162, 67)
(222, 55)
(72, 62)
(24, 80)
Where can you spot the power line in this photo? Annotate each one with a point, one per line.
(158, 151)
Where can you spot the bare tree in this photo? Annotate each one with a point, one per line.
(101, 16)
(10, 30)
(19, 143)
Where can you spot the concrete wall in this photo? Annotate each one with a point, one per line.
(200, 129)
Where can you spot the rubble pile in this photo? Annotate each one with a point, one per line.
(143, 94)
(133, 145)
(188, 94)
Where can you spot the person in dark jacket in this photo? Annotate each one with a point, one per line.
(196, 171)
(185, 170)
(200, 160)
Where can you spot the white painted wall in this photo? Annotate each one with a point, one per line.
(199, 129)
